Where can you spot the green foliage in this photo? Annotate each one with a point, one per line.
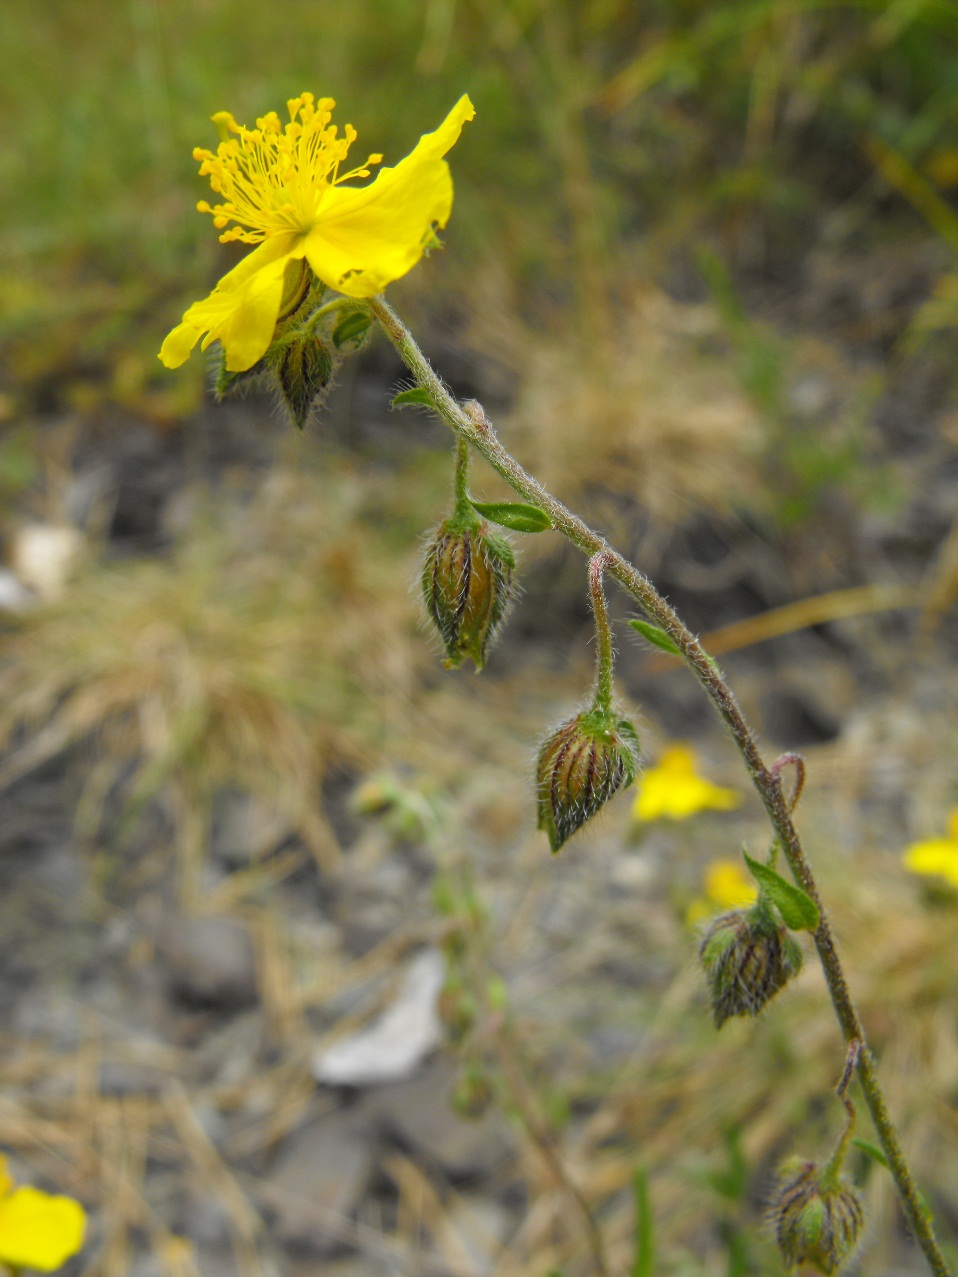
(799, 911)
(644, 1263)
(515, 515)
(656, 636)
(415, 395)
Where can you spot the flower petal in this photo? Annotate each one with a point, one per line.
(366, 237)
(240, 311)
(937, 856)
(672, 790)
(39, 1231)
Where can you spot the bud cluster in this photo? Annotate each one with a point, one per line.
(817, 1216)
(467, 586)
(747, 957)
(580, 766)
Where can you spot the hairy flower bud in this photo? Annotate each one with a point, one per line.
(747, 958)
(304, 368)
(817, 1217)
(580, 767)
(467, 587)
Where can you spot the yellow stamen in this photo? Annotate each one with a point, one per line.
(273, 178)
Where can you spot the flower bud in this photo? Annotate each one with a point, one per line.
(580, 767)
(747, 958)
(467, 587)
(818, 1217)
(456, 1009)
(304, 368)
(473, 1093)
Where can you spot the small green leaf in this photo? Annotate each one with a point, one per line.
(872, 1151)
(514, 515)
(352, 327)
(644, 1263)
(798, 910)
(658, 638)
(416, 395)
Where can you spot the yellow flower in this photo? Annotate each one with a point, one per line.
(937, 856)
(37, 1230)
(282, 187)
(673, 791)
(725, 885)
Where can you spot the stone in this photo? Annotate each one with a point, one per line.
(245, 829)
(210, 961)
(419, 1113)
(396, 1044)
(318, 1181)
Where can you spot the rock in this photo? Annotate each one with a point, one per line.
(125, 1077)
(43, 556)
(419, 1113)
(478, 1227)
(396, 1044)
(210, 961)
(14, 596)
(319, 1179)
(245, 829)
(206, 1221)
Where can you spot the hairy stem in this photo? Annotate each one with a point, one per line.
(604, 656)
(463, 505)
(469, 423)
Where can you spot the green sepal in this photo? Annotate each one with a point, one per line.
(500, 548)
(799, 912)
(415, 395)
(352, 328)
(514, 515)
(226, 382)
(304, 369)
(657, 637)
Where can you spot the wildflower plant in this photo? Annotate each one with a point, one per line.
(306, 295)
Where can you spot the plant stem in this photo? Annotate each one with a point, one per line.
(469, 423)
(604, 656)
(463, 505)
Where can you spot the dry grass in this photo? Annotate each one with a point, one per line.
(656, 416)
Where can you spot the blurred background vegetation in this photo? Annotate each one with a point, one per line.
(702, 272)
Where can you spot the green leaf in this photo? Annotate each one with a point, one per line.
(416, 395)
(658, 638)
(798, 910)
(873, 1152)
(644, 1262)
(514, 515)
(352, 327)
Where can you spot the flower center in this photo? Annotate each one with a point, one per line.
(273, 178)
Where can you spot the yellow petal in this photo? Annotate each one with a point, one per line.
(937, 857)
(366, 237)
(728, 885)
(672, 790)
(39, 1231)
(241, 310)
(6, 1183)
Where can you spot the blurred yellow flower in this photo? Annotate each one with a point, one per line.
(938, 856)
(726, 884)
(282, 187)
(672, 790)
(37, 1230)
